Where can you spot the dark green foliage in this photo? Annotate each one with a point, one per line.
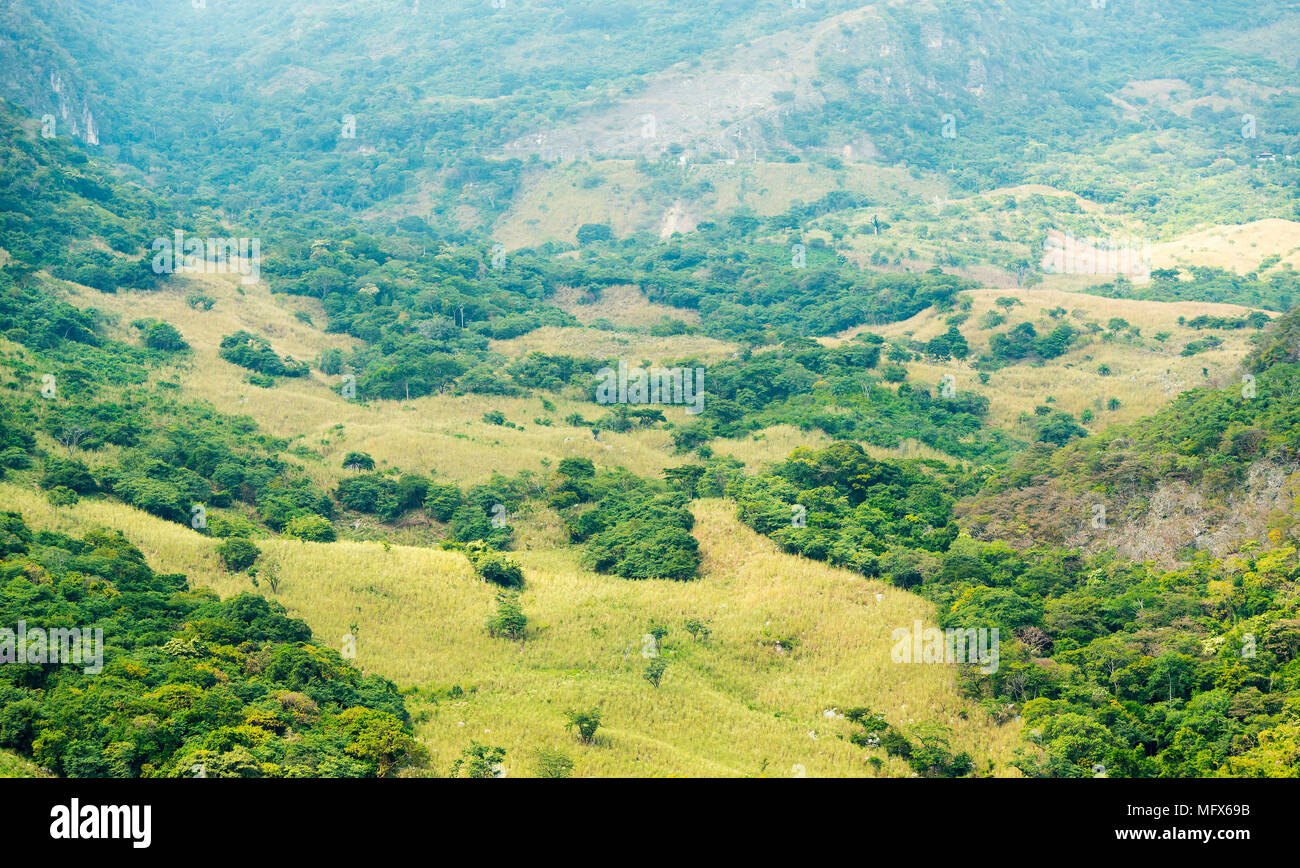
(509, 622)
(637, 531)
(312, 528)
(68, 473)
(589, 232)
(499, 569)
(1022, 342)
(478, 761)
(164, 336)
(1058, 428)
(158, 707)
(584, 724)
(358, 461)
(840, 505)
(238, 554)
(1274, 291)
(654, 670)
(253, 352)
(442, 500)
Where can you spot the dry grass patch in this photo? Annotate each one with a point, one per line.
(734, 706)
(623, 305)
(599, 344)
(1144, 373)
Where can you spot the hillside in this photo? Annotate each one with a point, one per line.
(733, 706)
(1215, 468)
(608, 388)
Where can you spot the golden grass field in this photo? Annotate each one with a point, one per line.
(445, 433)
(622, 305)
(599, 344)
(1145, 373)
(736, 706)
(1232, 248)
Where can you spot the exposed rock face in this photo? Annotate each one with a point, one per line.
(1172, 519)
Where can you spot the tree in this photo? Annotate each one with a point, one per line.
(238, 554)
(442, 500)
(654, 670)
(589, 232)
(312, 528)
(584, 724)
(62, 496)
(70, 436)
(479, 761)
(68, 473)
(509, 622)
(379, 739)
(499, 569)
(270, 571)
(1059, 428)
(164, 336)
(358, 461)
(700, 630)
(553, 764)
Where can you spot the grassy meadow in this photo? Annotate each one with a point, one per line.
(1144, 372)
(735, 706)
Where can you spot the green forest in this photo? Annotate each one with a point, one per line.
(465, 212)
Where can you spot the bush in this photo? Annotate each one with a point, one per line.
(238, 553)
(654, 670)
(312, 528)
(584, 724)
(442, 501)
(62, 496)
(255, 353)
(164, 336)
(358, 461)
(589, 232)
(509, 622)
(15, 458)
(553, 764)
(226, 526)
(499, 569)
(68, 473)
(478, 761)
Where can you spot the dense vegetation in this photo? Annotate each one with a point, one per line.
(382, 192)
(1143, 672)
(190, 685)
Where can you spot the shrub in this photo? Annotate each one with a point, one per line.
(68, 473)
(442, 501)
(478, 761)
(700, 630)
(499, 569)
(164, 336)
(15, 458)
(584, 724)
(589, 232)
(312, 528)
(62, 496)
(358, 461)
(238, 553)
(255, 353)
(226, 526)
(553, 764)
(509, 622)
(654, 670)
